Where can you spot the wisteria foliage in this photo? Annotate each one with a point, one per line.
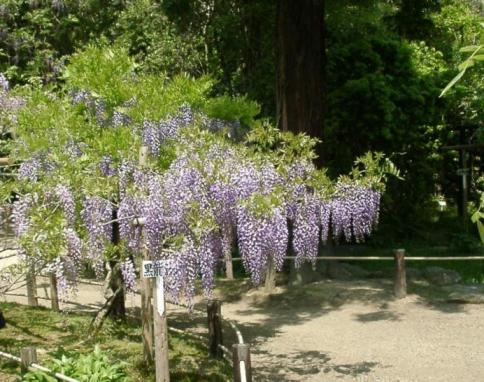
(201, 194)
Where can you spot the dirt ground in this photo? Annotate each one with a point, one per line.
(338, 331)
(355, 331)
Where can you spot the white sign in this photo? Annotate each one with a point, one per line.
(160, 296)
(152, 268)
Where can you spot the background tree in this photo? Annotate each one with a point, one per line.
(301, 67)
(386, 62)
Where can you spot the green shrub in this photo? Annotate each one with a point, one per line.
(93, 367)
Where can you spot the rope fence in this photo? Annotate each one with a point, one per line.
(28, 362)
(385, 258)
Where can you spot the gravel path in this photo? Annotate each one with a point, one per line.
(355, 331)
(337, 331)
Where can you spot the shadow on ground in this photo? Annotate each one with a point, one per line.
(303, 364)
(268, 314)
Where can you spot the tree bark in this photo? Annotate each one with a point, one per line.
(111, 296)
(300, 87)
(31, 280)
(101, 315)
(118, 307)
(2, 320)
(54, 294)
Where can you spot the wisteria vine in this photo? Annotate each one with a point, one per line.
(215, 194)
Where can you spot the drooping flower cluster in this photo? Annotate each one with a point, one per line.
(33, 168)
(9, 104)
(66, 200)
(96, 215)
(306, 229)
(20, 218)
(129, 275)
(66, 268)
(128, 210)
(94, 104)
(106, 166)
(260, 238)
(213, 195)
(354, 211)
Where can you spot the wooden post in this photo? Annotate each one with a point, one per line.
(54, 295)
(161, 334)
(8, 220)
(270, 281)
(28, 356)
(242, 366)
(400, 286)
(229, 267)
(31, 287)
(214, 316)
(147, 313)
(146, 286)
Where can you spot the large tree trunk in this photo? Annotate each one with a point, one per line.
(300, 90)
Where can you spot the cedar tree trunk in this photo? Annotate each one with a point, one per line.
(300, 90)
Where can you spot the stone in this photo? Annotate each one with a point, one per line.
(414, 274)
(343, 271)
(466, 294)
(441, 276)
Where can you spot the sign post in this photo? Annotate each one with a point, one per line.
(152, 269)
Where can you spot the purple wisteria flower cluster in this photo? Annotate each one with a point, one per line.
(33, 168)
(96, 215)
(98, 108)
(214, 195)
(129, 275)
(195, 210)
(9, 105)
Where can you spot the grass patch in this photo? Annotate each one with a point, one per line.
(54, 334)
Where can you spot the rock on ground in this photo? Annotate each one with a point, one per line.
(441, 276)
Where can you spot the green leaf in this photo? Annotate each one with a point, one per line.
(470, 48)
(452, 83)
(476, 216)
(466, 64)
(480, 228)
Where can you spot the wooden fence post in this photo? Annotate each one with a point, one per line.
(28, 356)
(400, 285)
(229, 267)
(214, 316)
(146, 287)
(31, 287)
(147, 313)
(161, 334)
(270, 281)
(54, 294)
(242, 367)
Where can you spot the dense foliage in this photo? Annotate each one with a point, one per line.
(93, 367)
(215, 176)
(387, 62)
